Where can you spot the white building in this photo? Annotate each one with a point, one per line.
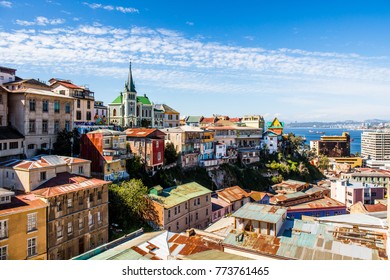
(376, 145)
(270, 142)
(130, 110)
(220, 150)
(7, 75)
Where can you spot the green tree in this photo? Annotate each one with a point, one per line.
(323, 162)
(62, 146)
(128, 203)
(134, 166)
(170, 154)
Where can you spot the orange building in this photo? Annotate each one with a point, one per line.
(22, 227)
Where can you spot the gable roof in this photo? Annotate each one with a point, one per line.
(275, 124)
(144, 100)
(194, 119)
(232, 194)
(169, 110)
(141, 132)
(66, 183)
(117, 100)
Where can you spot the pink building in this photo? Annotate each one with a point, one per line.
(353, 192)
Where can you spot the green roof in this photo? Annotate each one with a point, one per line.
(173, 196)
(194, 119)
(117, 100)
(144, 100)
(260, 212)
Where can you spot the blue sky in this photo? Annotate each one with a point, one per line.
(297, 60)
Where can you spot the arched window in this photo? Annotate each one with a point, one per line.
(114, 112)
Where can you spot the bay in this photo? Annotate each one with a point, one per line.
(311, 134)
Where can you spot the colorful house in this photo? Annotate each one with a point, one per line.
(275, 126)
(148, 144)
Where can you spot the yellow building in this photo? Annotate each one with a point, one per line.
(22, 227)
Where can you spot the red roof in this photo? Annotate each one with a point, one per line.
(68, 85)
(22, 203)
(67, 183)
(232, 194)
(208, 120)
(379, 207)
(139, 132)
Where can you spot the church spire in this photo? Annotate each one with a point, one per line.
(130, 87)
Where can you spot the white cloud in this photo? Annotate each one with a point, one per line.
(311, 82)
(190, 23)
(42, 21)
(124, 10)
(6, 4)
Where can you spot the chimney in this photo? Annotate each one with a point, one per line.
(190, 232)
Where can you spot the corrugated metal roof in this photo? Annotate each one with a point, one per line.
(259, 212)
(232, 194)
(173, 196)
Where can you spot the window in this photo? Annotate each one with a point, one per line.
(91, 197)
(44, 146)
(169, 214)
(3, 252)
(3, 229)
(185, 205)
(59, 230)
(59, 206)
(14, 145)
(78, 103)
(44, 126)
(32, 105)
(178, 210)
(43, 176)
(207, 198)
(196, 216)
(30, 146)
(81, 169)
(207, 211)
(67, 125)
(158, 155)
(114, 113)
(99, 217)
(89, 116)
(32, 221)
(56, 106)
(90, 219)
(31, 247)
(70, 203)
(78, 115)
(81, 223)
(56, 126)
(62, 92)
(106, 141)
(81, 200)
(88, 104)
(177, 225)
(186, 220)
(156, 144)
(31, 126)
(70, 228)
(175, 210)
(67, 108)
(45, 106)
(198, 200)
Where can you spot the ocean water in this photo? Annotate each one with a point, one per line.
(305, 132)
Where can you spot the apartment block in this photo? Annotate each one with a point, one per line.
(77, 215)
(27, 175)
(148, 144)
(376, 145)
(38, 113)
(352, 192)
(84, 100)
(22, 226)
(107, 151)
(181, 207)
(333, 146)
